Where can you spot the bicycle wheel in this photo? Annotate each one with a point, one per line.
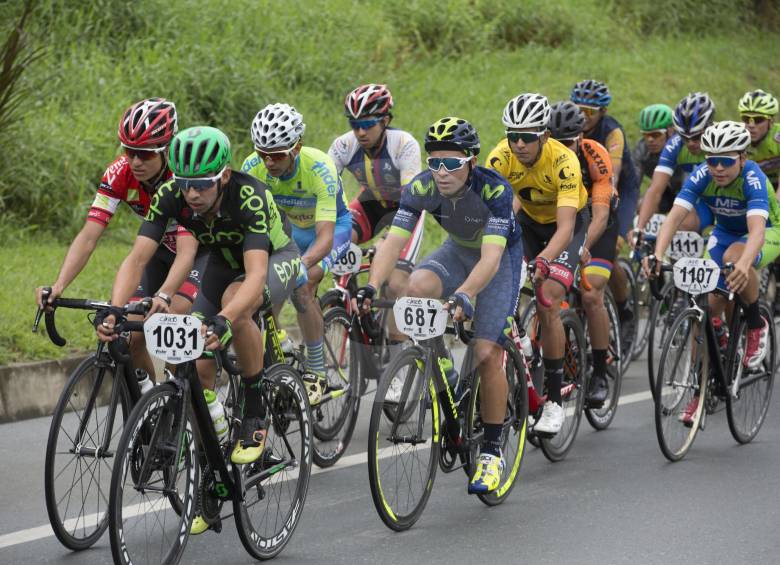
(403, 453)
(83, 436)
(601, 418)
(155, 480)
(272, 491)
(683, 367)
(630, 334)
(645, 298)
(662, 316)
(514, 430)
(572, 389)
(750, 390)
(334, 418)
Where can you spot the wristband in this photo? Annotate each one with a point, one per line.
(164, 297)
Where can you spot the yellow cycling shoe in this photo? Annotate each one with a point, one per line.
(199, 525)
(250, 446)
(315, 387)
(488, 474)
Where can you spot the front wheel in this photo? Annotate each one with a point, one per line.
(270, 494)
(601, 418)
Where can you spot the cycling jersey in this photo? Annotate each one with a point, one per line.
(311, 193)
(676, 156)
(609, 133)
(596, 168)
(767, 152)
(247, 219)
(646, 163)
(750, 194)
(483, 214)
(554, 181)
(391, 166)
(120, 185)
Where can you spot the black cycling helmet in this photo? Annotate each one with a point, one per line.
(566, 120)
(452, 133)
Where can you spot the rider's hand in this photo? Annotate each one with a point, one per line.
(464, 309)
(54, 292)
(541, 270)
(585, 256)
(219, 332)
(650, 272)
(159, 304)
(738, 278)
(105, 320)
(363, 298)
(303, 276)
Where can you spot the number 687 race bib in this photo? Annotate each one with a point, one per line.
(420, 318)
(174, 338)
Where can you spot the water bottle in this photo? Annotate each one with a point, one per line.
(525, 344)
(451, 374)
(721, 334)
(144, 382)
(287, 345)
(217, 414)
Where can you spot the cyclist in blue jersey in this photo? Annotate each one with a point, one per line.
(480, 261)
(307, 188)
(747, 227)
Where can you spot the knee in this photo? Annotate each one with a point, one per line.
(487, 355)
(397, 285)
(416, 287)
(732, 254)
(592, 299)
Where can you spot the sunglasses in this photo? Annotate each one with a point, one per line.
(142, 154)
(274, 155)
(725, 162)
(199, 183)
(691, 138)
(524, 136)
(754, 120)
(589, 110)
(451, 164)
(364, 124)
(568, 141)
(656, 134)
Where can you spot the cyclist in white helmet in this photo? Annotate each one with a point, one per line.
(307, 187)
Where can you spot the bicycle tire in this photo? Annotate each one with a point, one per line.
(645, 297)
(264, 533)
(601, 418)
(386, 493)
(672, 396)
(661, 318)
(149, 440)
(515, 425)
(633, 302)
(86, 380)
(334, 419)
(555, 448)
(529, 311)
(744, 417)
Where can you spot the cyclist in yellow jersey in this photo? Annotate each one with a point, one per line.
(547, 182)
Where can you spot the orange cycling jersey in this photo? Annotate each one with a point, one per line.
(596, 172)
(553, 181)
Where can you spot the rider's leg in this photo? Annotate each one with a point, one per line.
(598, 328)
(310, 320)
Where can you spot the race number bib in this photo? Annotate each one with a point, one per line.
(653, 225)
(686, 244)
(174, 338)
(696, 276)
(350, 262)
(420, 318)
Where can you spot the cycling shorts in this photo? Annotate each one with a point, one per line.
(283, 267)
(602, 254)
(720, 240)
(342, 237)
(536, 236)
(452, 264)
(370, 216)
(156, 271)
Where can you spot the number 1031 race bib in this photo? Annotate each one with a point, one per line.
(174, 338)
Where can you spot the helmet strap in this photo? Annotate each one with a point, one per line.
(217, 200)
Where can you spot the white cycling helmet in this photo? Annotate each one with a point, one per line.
(277, 126)
(725, 137)
(527, 111)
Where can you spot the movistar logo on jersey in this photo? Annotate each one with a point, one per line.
(490, 192)
(420, 189)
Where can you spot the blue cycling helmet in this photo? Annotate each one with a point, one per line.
(693, 114)
(591, 93)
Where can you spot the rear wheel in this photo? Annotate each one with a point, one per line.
(630, 333)
(601, 418)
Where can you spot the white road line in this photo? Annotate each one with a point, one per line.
(45, 531)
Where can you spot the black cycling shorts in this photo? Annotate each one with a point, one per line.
(156, 271)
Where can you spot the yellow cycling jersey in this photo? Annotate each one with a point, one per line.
(555, 179)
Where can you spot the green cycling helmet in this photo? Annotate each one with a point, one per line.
(655, 117)
(758, 102)
(199, 151)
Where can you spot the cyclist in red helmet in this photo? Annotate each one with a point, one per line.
(145, 130)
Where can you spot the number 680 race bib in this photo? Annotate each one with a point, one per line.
(696, 276)
(420, 318)
(174, 338)
(350, 262)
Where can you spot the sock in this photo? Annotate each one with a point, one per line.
(491, 442)
(553, 376)
(315, 359)
(753, 316)
(599, 362)
(253, 400)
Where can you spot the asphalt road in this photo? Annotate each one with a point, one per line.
(614, 499)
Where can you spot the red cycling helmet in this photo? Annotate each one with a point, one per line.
(367, 100)
(149, 122)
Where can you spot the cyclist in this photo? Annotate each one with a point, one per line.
(480, 260)
(593, 98)
(598, 254)
(306, 186)
(145, 130)
(233, 216)
(547, 182)
(655, 125)
(747, 227)
(682, 152)
(382, 159)
(757, 110)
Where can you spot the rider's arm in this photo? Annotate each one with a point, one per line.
(684, 203)
(129, 274)
(757, 191)
(667, 162)
(615, 143)
(565, 218)
(328, 189)
(755, 240)
(484, 270)
(249, 295)
(186, 249)
(78, 255)
(408, 159)
(569, 177)
(673, 220)
(387, 256)
(602, 191)
(323, 243)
